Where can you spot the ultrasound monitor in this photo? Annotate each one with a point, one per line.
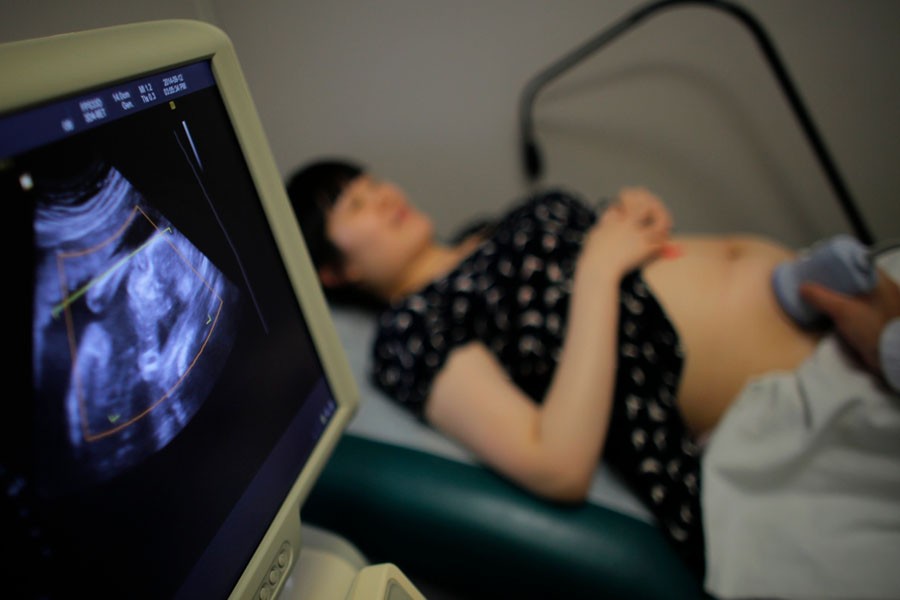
(176, 381)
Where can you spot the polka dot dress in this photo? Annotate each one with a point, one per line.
(512, 294)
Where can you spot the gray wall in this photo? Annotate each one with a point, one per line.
(426, 93)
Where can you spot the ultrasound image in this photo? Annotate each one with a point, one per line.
(132, 325)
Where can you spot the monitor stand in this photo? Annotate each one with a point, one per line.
(329, 566)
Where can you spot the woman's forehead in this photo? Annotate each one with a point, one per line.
(350, 188)
(358, 183)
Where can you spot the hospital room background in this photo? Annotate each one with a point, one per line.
(427, 93)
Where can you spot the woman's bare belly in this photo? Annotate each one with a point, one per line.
(718, 295)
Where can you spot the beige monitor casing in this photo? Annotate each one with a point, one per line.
(37, 71)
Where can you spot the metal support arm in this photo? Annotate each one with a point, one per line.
(531, 155)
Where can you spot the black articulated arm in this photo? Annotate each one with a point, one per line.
(531, 156)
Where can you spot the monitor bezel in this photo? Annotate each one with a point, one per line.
(36, 71)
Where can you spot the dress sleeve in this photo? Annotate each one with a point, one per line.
(889, 353)
(410, 348)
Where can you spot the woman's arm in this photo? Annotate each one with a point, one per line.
(552, 448)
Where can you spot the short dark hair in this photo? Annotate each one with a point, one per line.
(313, 189)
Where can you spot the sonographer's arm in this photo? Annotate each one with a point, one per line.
(869, 324)
(890, 353)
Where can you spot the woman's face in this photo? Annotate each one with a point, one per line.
(377, 232)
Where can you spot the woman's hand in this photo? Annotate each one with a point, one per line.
(631, 232)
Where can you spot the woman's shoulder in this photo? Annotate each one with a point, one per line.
(412, 339)
(544, 202)
(559, 194)
(413, 315)
(552, 204)
(551, 210)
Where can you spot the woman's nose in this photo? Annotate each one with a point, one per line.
(384, 200)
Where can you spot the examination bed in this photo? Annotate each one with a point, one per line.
(405, 494)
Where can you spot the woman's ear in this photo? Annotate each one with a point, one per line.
(331, 276)
(335, 276)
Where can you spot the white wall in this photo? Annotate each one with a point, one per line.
(23, 19)
(426, 92)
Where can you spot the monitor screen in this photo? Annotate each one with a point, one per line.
(183, 384)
